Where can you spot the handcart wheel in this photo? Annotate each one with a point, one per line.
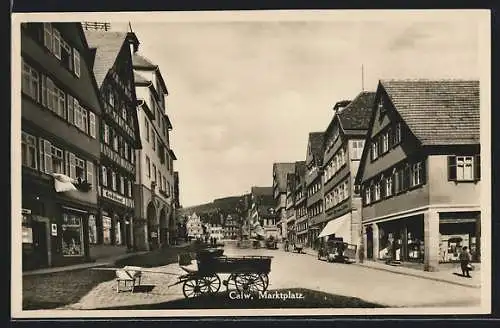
(212, 282)
(230, 283)
(194, 287)
(249, 283)
(265, 279)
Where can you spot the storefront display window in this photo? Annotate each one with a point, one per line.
(72, 235)
(92, 230)
(106, 230)
(402, 240)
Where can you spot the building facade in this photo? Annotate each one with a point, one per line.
(290, 206)
(154, 188)
(194, 227)
(314, 187)
(343, 148)
(262, 212)
(420, 173)
(111, 232)
(60, 110)
(280, 172)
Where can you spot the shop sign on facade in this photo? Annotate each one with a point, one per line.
(117, 197)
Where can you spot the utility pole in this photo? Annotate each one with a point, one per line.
(362, 77)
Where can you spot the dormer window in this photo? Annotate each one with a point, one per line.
(381, 106)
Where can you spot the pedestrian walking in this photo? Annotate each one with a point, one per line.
(286, 245)
(465, 259)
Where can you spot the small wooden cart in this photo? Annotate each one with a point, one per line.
(246, 274)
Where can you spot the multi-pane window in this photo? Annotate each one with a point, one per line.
(148, 166)
(146, 125)
(464, 168)
(28, 150)
(53, 97)
(57, 160)
(80, 169)
(367, 196)
(122, 185)
(388, 186)
(92, 125)
(104, 175)
(30, 81)
(106, 133)
(357, 150)
(374, 149)
(416, 174)
(385, 142)
(377, 191)
(153, 136)
(55, 43)
(113, 181)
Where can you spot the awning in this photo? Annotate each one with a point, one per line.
(340, 227)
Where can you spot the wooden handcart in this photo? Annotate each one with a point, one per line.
(246, 274)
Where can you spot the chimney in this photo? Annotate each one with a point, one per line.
(340, 105)
(133, 42)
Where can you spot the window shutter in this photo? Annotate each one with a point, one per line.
(92, 125)
(406, 177)
(393, 185)
(47, 35)
(56, 44)
(47, 156)
(44, 90)
(390, 137)
(72, 165)
(452, 168)
(477, 167)
(41, 155)
(423, 172)
(71, 109)
(76, 62)
(90, 172)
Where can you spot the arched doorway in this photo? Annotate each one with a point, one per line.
(163, 227)
(152, 226)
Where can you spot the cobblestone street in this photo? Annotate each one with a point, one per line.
(291, 270)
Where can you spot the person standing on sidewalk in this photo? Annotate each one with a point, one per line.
(465, 259)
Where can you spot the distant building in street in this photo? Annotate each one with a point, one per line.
(314, 189)
(280, 171)
(343, 146)
(420, 172)
(231, 228)
(111, 232)
(300, 204)
(216, 231)
(262, 211)
(60, 110)
(154, 189)
(291, 187)
(194, 226)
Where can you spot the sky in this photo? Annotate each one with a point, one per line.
(245, 94)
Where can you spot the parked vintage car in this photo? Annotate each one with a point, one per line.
(271, 243)
(337, 251)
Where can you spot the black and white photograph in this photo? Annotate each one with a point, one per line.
(242, 163)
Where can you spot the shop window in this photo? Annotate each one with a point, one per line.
(28, 150)
(92, 230)
(72, 235)
(106, 230)
(30, 82)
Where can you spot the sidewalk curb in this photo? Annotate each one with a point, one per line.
(82, 266)
(416, 275)
(419, 276)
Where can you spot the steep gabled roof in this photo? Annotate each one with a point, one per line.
(438, 112)
(140, 61)
(281, 170)
(357, 114)
(107, 46)
(316, 143)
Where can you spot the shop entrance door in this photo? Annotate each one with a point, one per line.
(40, 249)
(369, 243)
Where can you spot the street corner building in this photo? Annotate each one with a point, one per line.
(309, 229)
(60, 119)
(420, 173)
(154, 190)
(280, 172)
(111, 232)
(342, 148)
